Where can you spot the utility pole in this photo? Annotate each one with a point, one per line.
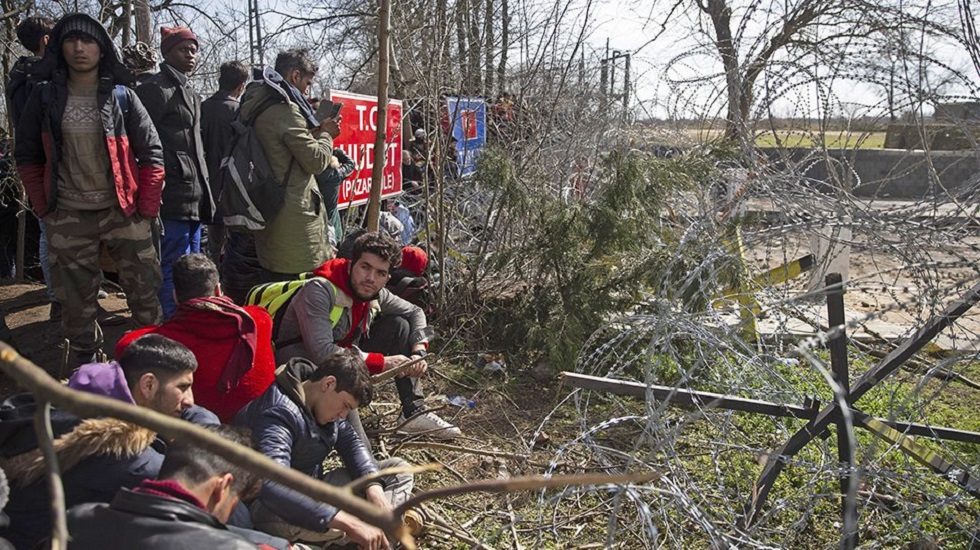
(144, 22)
(256, 55)
(381, 129)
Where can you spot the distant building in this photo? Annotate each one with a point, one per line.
(958, 112)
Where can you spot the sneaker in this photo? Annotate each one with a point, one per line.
(428, 424)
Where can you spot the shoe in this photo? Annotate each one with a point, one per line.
(107, 319)
(428, 424)
(55, 314)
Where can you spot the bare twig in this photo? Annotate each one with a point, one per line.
(528, 483)
(458, 449)
(45, 441)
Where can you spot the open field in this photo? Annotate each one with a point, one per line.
(833, 139)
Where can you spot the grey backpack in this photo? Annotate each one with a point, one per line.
(251, 195)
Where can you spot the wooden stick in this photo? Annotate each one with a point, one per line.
(45, 442)
(46, 389)
(458, 449)
(395, 371)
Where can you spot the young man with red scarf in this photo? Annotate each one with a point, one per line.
(346, 304)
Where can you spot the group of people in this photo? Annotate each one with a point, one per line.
(111, 168)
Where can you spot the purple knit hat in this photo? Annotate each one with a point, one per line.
(105, 379)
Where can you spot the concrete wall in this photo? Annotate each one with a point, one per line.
(882, 173)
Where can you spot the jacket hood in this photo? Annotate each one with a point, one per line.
(270, 87)
(290, 378)
(105, 379)
(53, 63)
(95, 436)
(218, 318)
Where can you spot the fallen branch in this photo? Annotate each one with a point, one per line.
(527, 483)
(46, 389)
(458, 449)
(45, 441)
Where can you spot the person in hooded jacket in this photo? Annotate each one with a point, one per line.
(97, 456)
(232, 344)
(298, 146)
(92, 164)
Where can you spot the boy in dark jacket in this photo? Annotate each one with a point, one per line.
(185, 507)
(300, 420)
(92, 164)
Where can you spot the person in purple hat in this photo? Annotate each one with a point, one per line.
(98, 456)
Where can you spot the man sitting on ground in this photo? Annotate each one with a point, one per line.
(100, 455)
(232, 344)
(187, 506)
(298, 422)
(336, 309)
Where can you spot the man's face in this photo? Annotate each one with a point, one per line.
(301, 80)
(173, 396)
(81, 52)
(183, 56)
(368, 276)
(333, 405)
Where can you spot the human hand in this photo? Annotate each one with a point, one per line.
(365, 536)
(392, 361)
(331, 126)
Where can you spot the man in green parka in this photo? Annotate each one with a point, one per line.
(297, 145)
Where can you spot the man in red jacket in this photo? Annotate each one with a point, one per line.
(232, 344)
(92, 164)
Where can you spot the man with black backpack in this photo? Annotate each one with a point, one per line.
(297, 145)
(92, 164)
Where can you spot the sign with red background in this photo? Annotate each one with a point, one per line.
(356, 139)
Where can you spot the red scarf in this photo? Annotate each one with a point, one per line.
(337, 271)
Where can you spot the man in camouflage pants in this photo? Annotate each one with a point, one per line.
(92, 163)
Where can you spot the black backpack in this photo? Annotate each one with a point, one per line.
(411, 288)
(251, 195)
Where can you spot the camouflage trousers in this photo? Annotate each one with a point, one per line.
(74, 240)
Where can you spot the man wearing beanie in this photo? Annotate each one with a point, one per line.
(92, 165)
(176, 111)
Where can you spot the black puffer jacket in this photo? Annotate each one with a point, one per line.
(284, 430)
(176, 112)
(148, 522)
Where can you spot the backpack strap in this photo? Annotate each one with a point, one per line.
(122, 98)
(336, 312)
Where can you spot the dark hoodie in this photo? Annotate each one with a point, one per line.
(134, 149)
(20, 85)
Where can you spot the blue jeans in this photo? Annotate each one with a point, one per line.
(179, 237)
(45, 266)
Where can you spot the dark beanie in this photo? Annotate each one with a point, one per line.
(82, 24)
(171, 36)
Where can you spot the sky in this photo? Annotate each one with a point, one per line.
(625, 26)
